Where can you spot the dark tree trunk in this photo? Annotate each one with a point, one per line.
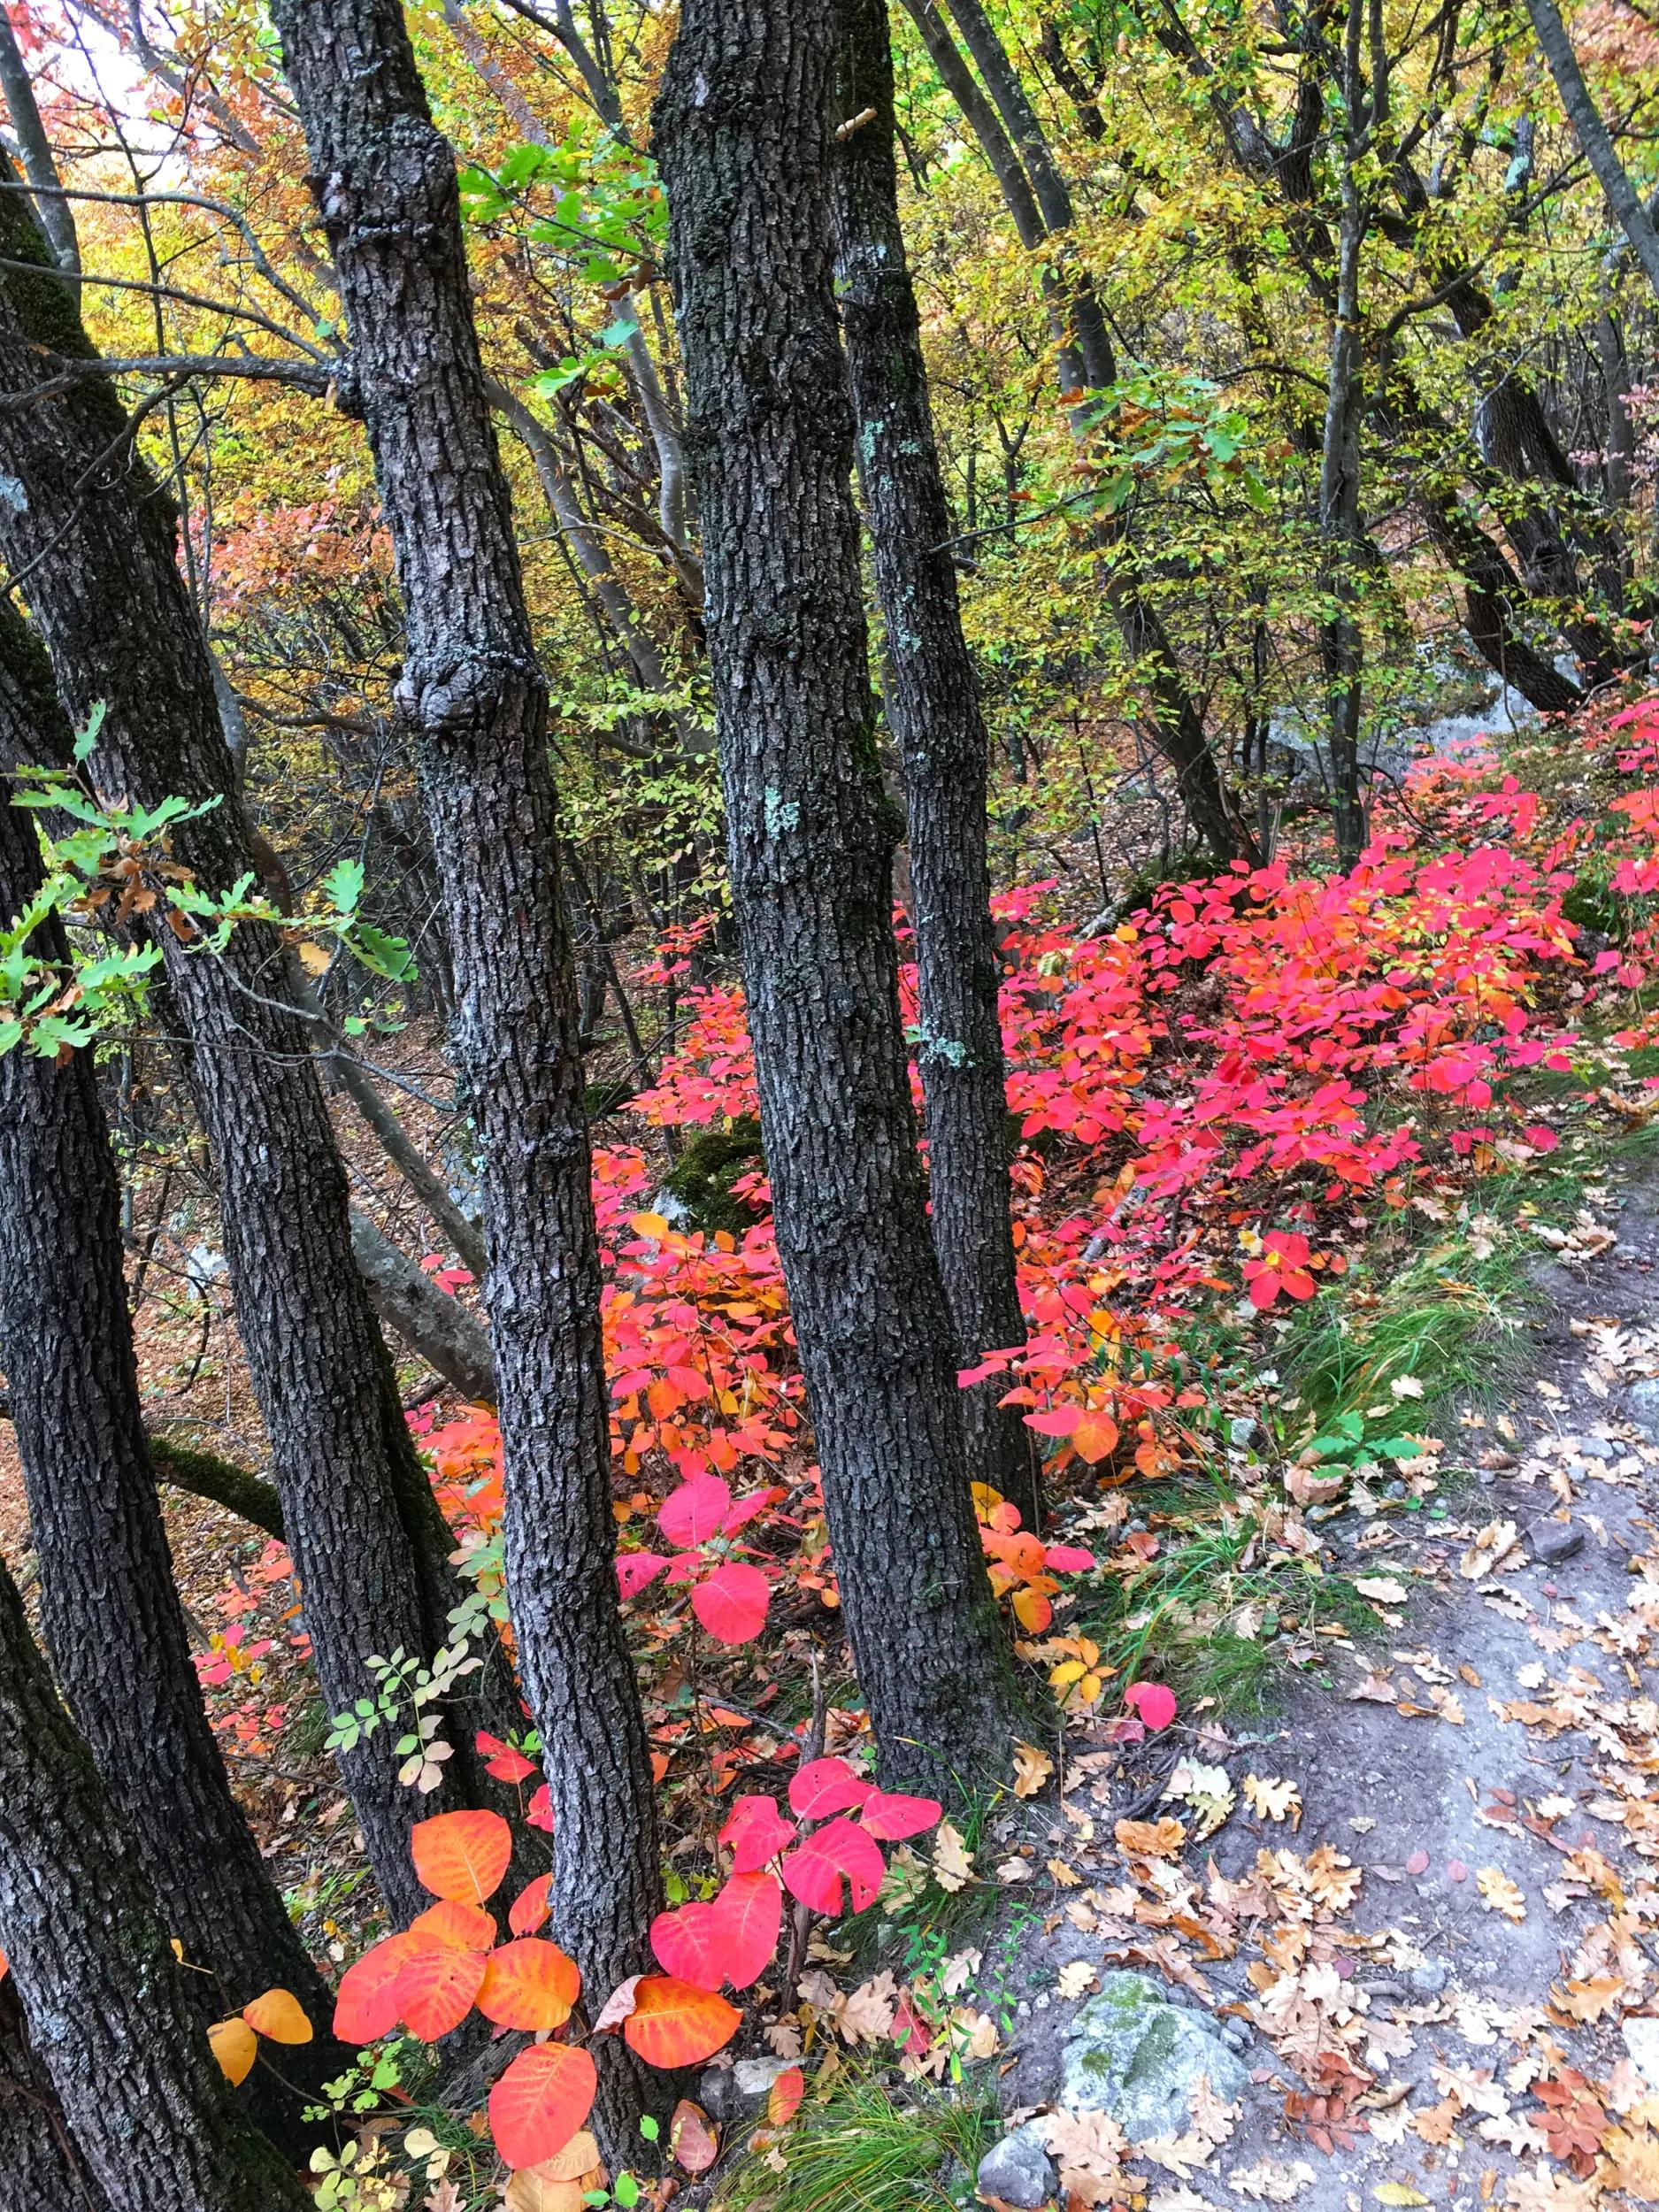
(41, 2171)
(94, 536)
(1622, 199)
(110, 2017)
(934, 705)
(113, 1622)
(742, 135)
(476, 704)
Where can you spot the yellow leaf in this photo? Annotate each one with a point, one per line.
(1499, 1894)
(649, 1226)
(235, 2047)
(1396, 2192)
(1270, 1799)
(278, 2014)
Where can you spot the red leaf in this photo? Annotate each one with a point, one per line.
(540, 2101)
(501, 1761)
(749, 1913)
(687, 1942)
(894, 1818)
(1153, 1701)
(529, 1983)
(462, 1856)
(731, 1602)
(784, 2100)
(674, 2024)
(814, 1872)
(530, 1908)
(1068, 1559)
(366, 2004)
(756, 1832)
(636, 1569)
(693, 1512)
(436, 1988)
(539, 1811)
(1057, 1421)
(826, 1786)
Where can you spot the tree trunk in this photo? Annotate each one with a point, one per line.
(1621, 197)
(476, 704)
(369, 1545)
(932, 700)
(111, 2019)
(1342, 536)
(41, 2171)
(742, 136)
(113, 1622)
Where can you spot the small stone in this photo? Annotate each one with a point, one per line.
(1132, 2054)
(1641, 2040)
(1018, 2170)
(1551, 1545)
(1241, 1430)
(1592, 1448)
(1641, 1406)
(1428, 1981)
(1396, 1488)
(717, 2093)
(755, 2077)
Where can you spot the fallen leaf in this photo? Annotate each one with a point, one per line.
(953, 1861)
(1274, 1800)
(1499, 1894)
(1031, 1770)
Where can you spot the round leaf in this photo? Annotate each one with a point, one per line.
(367, 2005)
(784, 2099)
(687, 1942)
(756, 1832)
(674, 2024)
(693, 1512)
(826, 1786)
(814, 1872)
(462, 1856)
(530, 1908)
(530, 1984)
(463, 1927)
(278, 2014)
(235, 2047)
(731, 1602)
(896, 1817)
(541, 2103)
(748, 1914)
(436, 1988)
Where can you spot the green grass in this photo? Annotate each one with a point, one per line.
(868, 2148)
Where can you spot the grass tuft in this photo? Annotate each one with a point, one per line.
(868, 2149)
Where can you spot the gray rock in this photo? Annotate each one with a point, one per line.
(1241, 1430)
(1592, 1448)
(735, 2092)
(755, 2076)
(1428, 1981)
(1556, 1543)
(1641, 1406)
(1132, 2054)
(718, 2094)
(1018, 2170)
(1641, 2040)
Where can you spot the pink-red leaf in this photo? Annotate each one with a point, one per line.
(731, 1602)
(695, 1511)
(367, 2005)
(749, 1913)
(686, 1943)
(814, 1872)
(636, 1569)
(784, 2100)
(892, 1817)
(1153, 1701)
(755, 1832)
(826, 1786)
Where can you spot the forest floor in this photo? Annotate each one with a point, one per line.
(1445, 1915)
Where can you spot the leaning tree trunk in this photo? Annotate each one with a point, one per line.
(475, 702)
(94, 537)
(110, 2017)
(113, 1622)
(1623, 201)
(742, 135)
(932, 700)
(41, 2170)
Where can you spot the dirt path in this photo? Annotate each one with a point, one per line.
(1473, 1865)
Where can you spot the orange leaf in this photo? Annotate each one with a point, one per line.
(235, 2047)
(541, 2102)
(462, 1856)
(436, 1988)
(673, 2025)
(529, 1983)
(459, 1927)
(530, 1908)
(1094, 1437)
(279, 2015)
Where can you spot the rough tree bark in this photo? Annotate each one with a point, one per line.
(113, 1622)
(90, 537)
(41, 2171)
(932, 702)
(1621, 195)
(475, 703)
(110, 2017)
(741, 130)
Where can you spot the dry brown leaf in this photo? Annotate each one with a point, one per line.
(1031, 1770)
(1075, 1977)
(1270, 1799)
(953, 1861)
(865, 2015)
(1499, 1894)
(1149, 1839)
